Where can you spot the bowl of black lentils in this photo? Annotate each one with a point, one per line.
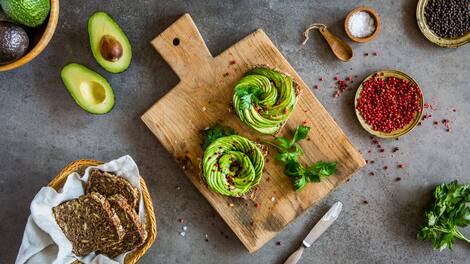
(445, 22)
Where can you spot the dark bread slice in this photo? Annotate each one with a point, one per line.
(135, 231)
(89, 223)
(108, 184)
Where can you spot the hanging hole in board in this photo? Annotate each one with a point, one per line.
(176, 41)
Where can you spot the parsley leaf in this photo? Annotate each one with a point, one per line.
(289, 155)
(449, 210)
(215, 132)
(300, 133)
(248, 95)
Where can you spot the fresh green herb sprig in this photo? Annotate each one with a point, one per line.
(248, 95)
(449, 210)
(289, 155)
(215, 132)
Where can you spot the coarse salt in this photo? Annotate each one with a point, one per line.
(361, 24)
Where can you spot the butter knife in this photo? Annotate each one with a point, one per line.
(316, 232)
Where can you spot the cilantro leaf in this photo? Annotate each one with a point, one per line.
(324, 169)
(215, 132)
(301, 132)
(248, 95)
(449, 210)
(283, 142)
(289, 155)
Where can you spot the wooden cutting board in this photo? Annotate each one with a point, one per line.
(203, 97)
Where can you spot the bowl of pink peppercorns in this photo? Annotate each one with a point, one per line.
(389, 104)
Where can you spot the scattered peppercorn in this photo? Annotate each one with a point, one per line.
(401, 166)
(371, 173)
(366, 54)
(365, 202)
(397, 179)
(385, 167)
(278, 243)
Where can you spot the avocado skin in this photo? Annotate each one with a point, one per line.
(30, 13)
(14, 42)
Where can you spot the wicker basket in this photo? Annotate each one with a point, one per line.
(151, 224)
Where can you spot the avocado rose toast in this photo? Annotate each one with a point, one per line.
(264, 99)
(232, 165)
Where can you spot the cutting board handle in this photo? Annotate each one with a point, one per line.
(182, 47)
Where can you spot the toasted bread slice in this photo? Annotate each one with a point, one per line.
(135, 231)
(89, 223)
(109, 184)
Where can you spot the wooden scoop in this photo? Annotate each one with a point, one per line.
(340, 48)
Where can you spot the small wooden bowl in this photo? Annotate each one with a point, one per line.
(38, 39)
(399, 132)
(431, 36)
(374, 15)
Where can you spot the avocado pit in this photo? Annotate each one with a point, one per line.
(110, 48)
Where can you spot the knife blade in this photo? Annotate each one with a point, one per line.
(320, 227)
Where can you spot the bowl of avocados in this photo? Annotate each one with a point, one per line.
(26, 27)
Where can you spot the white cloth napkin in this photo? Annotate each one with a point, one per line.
(44, 241)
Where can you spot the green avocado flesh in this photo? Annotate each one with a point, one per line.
(116, 56)
(264, 99)
(90, 90)
(232, 165)
(31, 13)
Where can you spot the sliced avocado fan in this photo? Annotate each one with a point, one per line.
(232, 165)
(90, 90)
(264, 99)
(108, 43)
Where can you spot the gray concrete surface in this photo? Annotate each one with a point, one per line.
(42, 129)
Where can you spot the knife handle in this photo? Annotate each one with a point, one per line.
(295, 256)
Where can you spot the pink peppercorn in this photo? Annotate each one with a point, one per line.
(389, 104)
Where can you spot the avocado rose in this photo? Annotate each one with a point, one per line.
(264, 99)
(232, 165)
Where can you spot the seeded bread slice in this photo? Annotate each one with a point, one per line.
(135, 231)
(89, 223)
(108, 184)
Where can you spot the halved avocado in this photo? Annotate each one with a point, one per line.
(90, 90)
(109, 43)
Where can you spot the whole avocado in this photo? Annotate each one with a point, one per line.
(14, 42)
(31, 13)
